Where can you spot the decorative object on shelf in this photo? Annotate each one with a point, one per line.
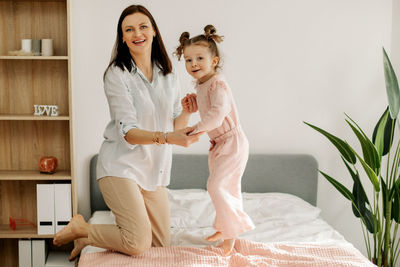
(50, 110)
(14, 222)
(29, 47)
(36, 47)
(48, 164)
(47, 47)
(379, 221)
(26, 45)
(20, 53)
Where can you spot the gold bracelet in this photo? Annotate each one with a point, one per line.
(156, 138)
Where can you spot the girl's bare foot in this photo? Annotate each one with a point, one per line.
(78, 246)
(228, 246)
(214, 237)
(76, 228)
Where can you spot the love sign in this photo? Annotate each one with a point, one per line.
(50, 110)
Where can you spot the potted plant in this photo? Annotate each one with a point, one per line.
(380, 214)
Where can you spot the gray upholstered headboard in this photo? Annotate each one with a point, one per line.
(286, 173)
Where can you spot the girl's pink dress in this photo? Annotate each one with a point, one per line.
(227, 157)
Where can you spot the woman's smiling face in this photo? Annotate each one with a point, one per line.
(138, 33)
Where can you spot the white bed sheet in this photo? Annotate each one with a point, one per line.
(278, 217)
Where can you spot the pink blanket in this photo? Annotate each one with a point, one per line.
(246, 253)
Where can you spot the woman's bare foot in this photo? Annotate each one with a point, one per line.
(76, 228)
(214, 237)
(78, 246)
(228, 246)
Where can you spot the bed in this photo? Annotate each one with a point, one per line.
(279, 195)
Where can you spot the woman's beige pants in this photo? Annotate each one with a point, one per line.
(142, 217)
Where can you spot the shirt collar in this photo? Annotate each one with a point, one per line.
(156, 72)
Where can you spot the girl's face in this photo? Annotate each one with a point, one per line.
(137, 33)
(199, 61)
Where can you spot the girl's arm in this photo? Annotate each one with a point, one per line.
(189, 105)
(182, 120)
(220, 108)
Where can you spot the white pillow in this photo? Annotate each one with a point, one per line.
(278, 206)
(191, 208)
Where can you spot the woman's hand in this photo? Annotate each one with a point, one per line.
(189, 103)
(182, 138)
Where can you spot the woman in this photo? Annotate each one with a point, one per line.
(135, 158)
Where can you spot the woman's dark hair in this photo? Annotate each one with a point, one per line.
(209, 38)
(121, 56)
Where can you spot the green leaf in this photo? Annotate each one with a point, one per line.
(392, 87)
(392, 190)
(370, 153)
(341, 188)
(370, 222)
(370, 173)
(344, 148)
(356, 178)
(396, 204)
(383, 133)
(371, 149)
(360, 199)
(398, 124)
(384, 194)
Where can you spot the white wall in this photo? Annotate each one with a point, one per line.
(287, 61)
(396, 36)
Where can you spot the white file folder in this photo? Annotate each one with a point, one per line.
(62, 205)
(24, 253)
(45, 209)
(39, 253)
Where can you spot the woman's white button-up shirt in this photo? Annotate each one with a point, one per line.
(135, 102)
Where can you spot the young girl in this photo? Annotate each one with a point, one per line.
(229, 146)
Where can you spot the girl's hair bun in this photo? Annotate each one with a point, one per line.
(184, 37)
(209, 29)
(210, 32)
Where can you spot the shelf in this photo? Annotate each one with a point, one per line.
(34, 175)
(32, 0)
(21, 232)
(35, 57)
(32, 118)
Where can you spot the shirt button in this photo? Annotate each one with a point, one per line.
(161, 171)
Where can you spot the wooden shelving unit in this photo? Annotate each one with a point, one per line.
(32, 118)
(21, 232)
(34, 175)
(34, 57)
(26, 81)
